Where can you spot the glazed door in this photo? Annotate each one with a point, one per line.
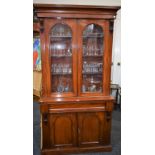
(60, 50)
(63, 130)
(93, 61)
(91, 128)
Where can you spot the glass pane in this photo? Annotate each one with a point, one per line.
(92, 72)
(61, 58)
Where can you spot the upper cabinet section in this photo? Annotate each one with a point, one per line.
(76, 46)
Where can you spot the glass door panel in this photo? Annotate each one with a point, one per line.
(92, 59)
(61, 59)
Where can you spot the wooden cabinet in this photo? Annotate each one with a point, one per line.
(76, 105)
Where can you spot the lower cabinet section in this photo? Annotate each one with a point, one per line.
(76, 132)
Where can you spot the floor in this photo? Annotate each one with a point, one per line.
(116, 133)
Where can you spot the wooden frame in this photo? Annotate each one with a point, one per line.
(104, 25)
(49, 24)
(73, 111)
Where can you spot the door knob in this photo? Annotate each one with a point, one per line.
(118, 63)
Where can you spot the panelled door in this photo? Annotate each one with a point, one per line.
(63, 130)
(77, 129)
(91, 128)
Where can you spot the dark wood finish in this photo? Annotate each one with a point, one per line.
(72, 150)
(107, 62)
(90, 128)
(63, 130)
(74, 122)
(49, 7)
(104, 25)
(36, 27)
(48, 25)
(76, 99)
(76, 11)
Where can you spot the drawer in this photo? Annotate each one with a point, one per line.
(74, 107)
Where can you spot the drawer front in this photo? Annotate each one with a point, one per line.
(77, 107)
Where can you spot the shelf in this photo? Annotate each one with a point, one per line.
(61, 73)
(91, 73)
(97, 35)
(94, 56)
(92, 92)
(61, 57)
(61, 37)
(92, 36)
(91, 49)
(93, 81)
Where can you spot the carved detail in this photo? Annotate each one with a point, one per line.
(41, 26)
(108, 115)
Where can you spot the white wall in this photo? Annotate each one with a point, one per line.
(116, 50)
(81, 2)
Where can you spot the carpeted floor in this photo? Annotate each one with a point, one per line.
(115, 138)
